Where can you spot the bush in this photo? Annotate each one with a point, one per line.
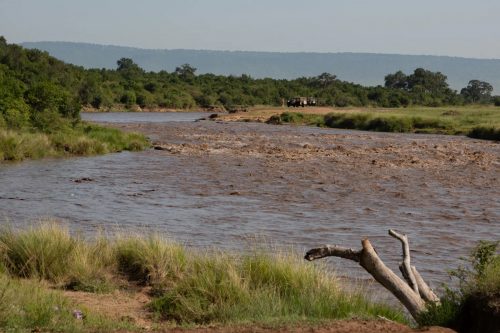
(471, 307)
(496, 100)
(292, 117)
(484, 132)
(390, 124)
(347, 121)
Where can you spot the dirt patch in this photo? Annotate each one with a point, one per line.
(121, 305)
(341, 326)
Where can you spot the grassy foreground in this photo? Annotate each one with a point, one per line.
(188, 287)
(482, 122)
(82, 139)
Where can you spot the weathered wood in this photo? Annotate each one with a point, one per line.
(423, 288)
(333, 251)
(413, 293)
(406, 264)
(371, 262)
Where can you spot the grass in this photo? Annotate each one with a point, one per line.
(81, 140)
(188, 287)
(481, 122)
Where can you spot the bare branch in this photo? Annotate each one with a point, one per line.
(333, 251)
(372, 263)
(425, 291)
(406, 264)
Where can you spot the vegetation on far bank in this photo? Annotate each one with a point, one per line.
(477, 122)
(188, 287)
(40, 114)
(131, 86)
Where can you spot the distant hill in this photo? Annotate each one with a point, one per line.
(362, 68)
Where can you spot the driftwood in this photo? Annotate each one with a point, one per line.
(413, 292)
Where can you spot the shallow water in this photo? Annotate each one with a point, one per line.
(223, 184)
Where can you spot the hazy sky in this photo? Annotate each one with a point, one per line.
(435, 27)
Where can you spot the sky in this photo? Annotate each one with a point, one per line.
(430, 27)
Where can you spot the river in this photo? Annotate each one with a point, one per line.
(224, 185)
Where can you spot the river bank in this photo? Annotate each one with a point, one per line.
(141, 282)
(479, 121)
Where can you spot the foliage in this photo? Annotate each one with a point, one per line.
(40, 102)
(424, 87)
(477, 92)
(32, 75)
(479, 279)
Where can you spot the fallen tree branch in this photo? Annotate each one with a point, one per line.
(333, 251)
(413, 293)
(405, 266)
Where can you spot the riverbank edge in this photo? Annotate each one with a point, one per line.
(179, 287)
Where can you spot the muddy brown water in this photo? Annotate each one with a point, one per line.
(220, 184)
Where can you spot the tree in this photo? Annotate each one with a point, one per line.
(477, 91)
(325, 79)
(129, 69)
(398, 80)
(185, 71)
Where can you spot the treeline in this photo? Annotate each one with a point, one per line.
(38, 89)
(131, 86)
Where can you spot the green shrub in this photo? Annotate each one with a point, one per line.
(347, 121)
(292, 117)
(425, 123)
(28, 306)
(485, 132)
(469, 305)
(389, 124)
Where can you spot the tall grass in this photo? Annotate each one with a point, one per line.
(80, 140)
(15, 146)
(189, 287)
(479, 122)
(261, 287)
